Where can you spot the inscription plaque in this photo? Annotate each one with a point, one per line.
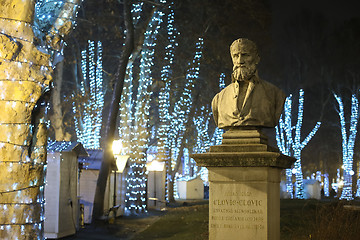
(237, 209)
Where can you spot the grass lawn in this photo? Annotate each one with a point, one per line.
(188, 222)
(320, 220)
(300, 219)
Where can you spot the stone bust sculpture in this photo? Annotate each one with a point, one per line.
(248, 100)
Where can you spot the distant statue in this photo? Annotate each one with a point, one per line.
(248, 100)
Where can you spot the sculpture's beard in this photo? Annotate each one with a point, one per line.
(244, 73)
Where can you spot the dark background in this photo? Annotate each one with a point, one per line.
(310, 45)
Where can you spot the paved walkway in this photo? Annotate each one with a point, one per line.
(124, 228)
(127, 227)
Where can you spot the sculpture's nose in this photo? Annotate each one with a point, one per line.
(241, 60)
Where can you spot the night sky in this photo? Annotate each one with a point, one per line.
(316, 45)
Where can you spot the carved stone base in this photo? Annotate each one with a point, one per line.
(244, 176)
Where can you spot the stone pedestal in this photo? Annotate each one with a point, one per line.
(244, 176)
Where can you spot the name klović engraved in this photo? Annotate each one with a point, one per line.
(243, 202)
(239, 213)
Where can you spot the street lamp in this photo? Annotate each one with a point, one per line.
(121, 161)
(117, 147)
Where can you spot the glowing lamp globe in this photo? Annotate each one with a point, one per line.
(116, 147)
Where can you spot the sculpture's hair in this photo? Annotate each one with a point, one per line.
(244, 42)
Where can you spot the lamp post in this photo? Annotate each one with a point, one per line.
(121, 161)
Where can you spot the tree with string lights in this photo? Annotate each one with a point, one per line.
(136, 180)
(201, 122)
(288, 139)
(181, 118)
(348, 142)
(175, 119)
(88, 112)
(110, 128)
(130, 129)
(217, 135)
(163, 154)
(26, 69)
(134, 107)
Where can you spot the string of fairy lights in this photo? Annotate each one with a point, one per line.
(134, 130)
(23, 201)
(285, 141)
(164, 94)
(288, 139)
(182, 107)
(88, 125)
(127, 103)
(203, 141)
(164, 148)
(126, 106)
(50, 16)
(180, 113)
(202, 145)
(216, 138)
(348, 142)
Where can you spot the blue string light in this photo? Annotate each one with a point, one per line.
(134, 115)
(348, 143)
(88, 125)
(326, 185)
(289, 143)
(180, 114)
(217, 136)
(25, 209)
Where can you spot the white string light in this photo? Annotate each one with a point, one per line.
(217, 136)
(291, 145)
(348, 142)
(88, 126)
(133, 130)
(23, 200)
(180, 114)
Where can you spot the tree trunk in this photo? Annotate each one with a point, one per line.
(108, 158)
(172, 172)
(25, 74)
(57, 111)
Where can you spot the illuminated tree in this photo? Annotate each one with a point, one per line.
(289, 143)
(165, 111)
(358, 187)
(128, 51)
(133, 128)
(201, 122)
(203, 141)
(180, 120)
(164, 93)
(217, 136)
(348, 142)
(134, 115)
(26, 69)
(88, 111)
(57, 115)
